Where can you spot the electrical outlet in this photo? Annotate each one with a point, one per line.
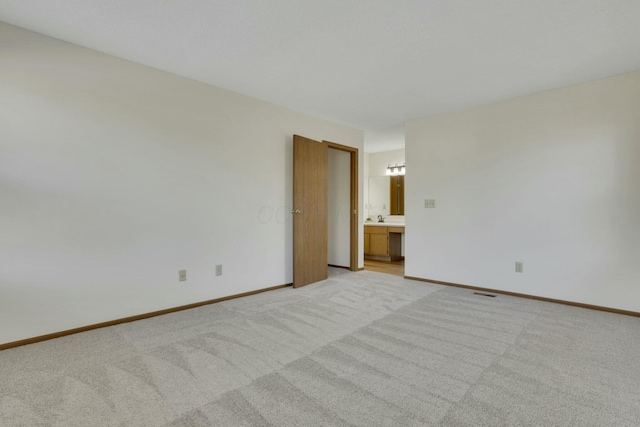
(430, 203)
(519, 267)
(219, 270)
(182, 275)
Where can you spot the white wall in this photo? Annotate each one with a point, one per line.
(339, 201)
(550, 180)
(378, 162)
(113, 176)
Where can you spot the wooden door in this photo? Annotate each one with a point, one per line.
(310, 211)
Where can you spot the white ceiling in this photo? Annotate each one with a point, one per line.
(370, 64)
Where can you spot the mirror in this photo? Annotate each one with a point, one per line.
(378, 196)
(386, 196)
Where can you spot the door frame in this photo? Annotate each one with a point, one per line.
(353, 239)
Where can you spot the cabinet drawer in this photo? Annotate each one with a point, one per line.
(375, 230)
(396, 229)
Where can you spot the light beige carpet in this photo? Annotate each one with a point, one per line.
(362, 348)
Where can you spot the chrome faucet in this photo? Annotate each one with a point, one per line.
(380, 219)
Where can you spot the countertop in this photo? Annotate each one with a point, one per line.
(384, 224)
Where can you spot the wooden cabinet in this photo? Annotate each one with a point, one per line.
(379, 244)
(376, 240)
(382, 242)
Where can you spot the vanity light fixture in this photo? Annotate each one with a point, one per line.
(395, 170)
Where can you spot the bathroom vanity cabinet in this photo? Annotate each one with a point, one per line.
(383, 242)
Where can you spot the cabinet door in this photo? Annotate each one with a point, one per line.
(366, 244)
(379, 244)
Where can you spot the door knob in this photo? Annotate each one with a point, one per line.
(296, 211)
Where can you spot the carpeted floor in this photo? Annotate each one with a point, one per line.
(364, 348)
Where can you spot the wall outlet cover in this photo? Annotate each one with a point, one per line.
(182, 275)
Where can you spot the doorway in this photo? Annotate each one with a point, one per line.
(353, 201)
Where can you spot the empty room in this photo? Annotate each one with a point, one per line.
(301, 213)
